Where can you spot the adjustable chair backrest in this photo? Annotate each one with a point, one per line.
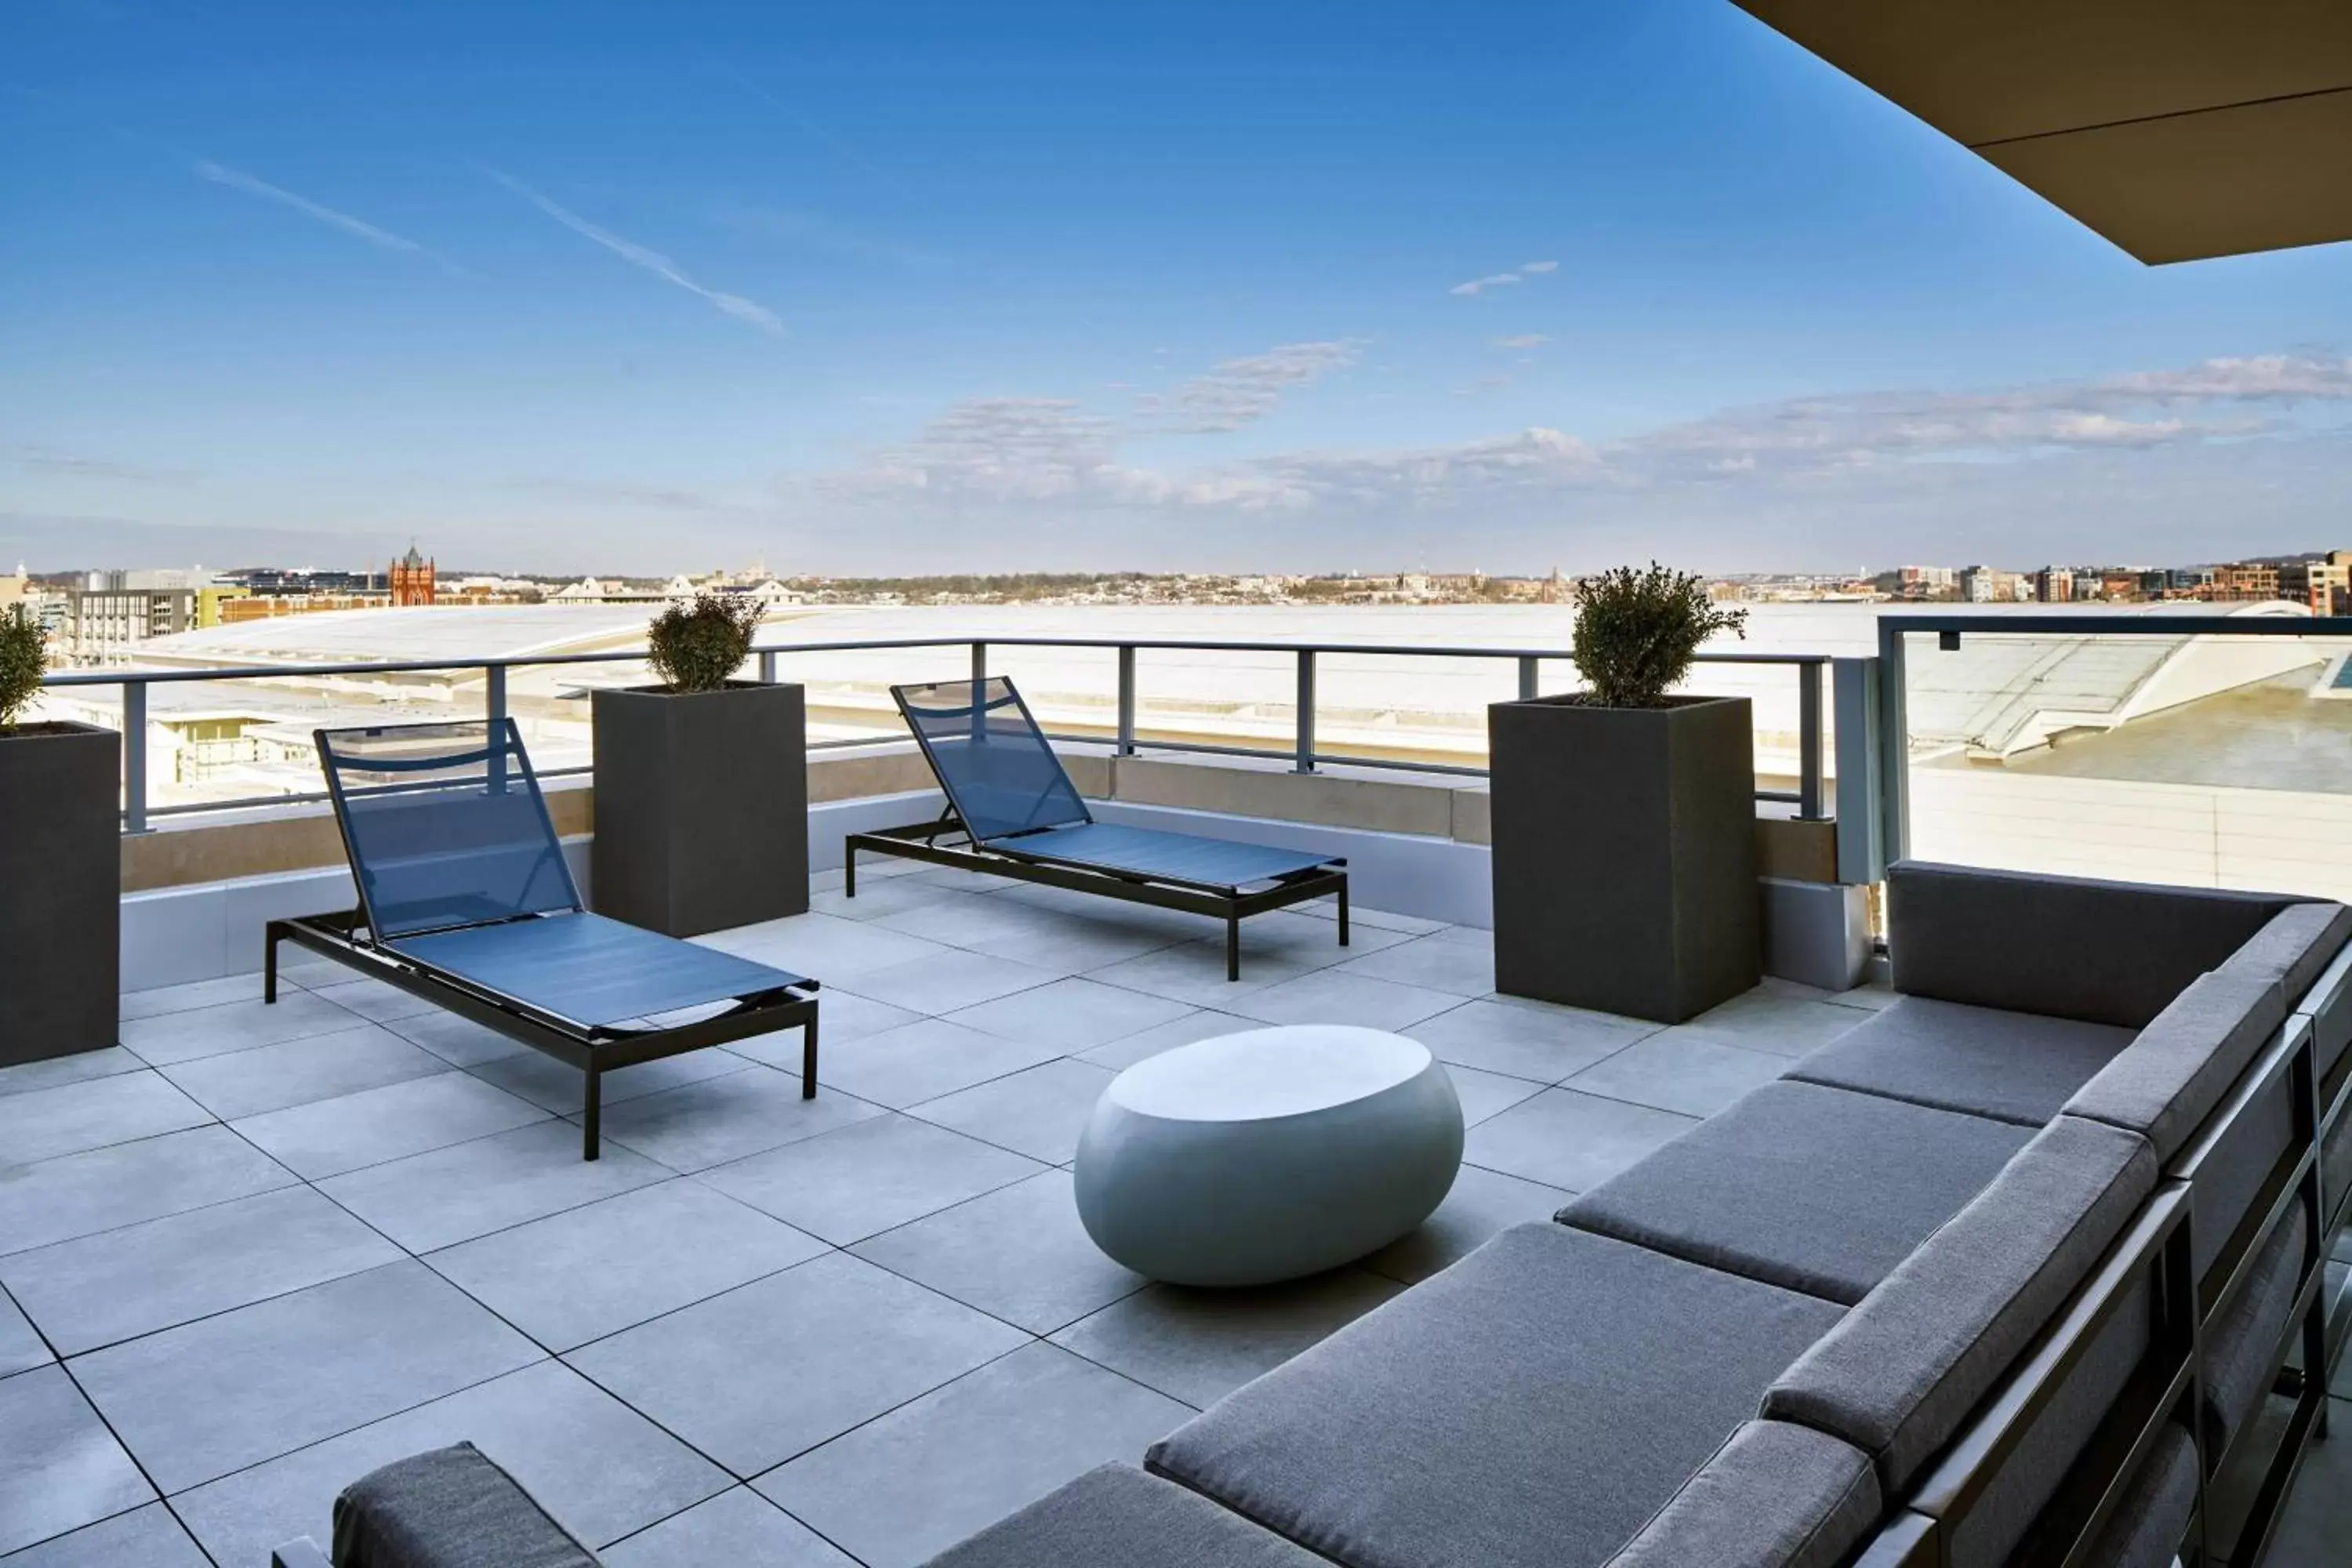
(444, 825)
(991, 758)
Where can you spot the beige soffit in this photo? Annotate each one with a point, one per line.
(2176, 129)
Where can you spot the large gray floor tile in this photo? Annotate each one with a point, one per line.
(1200, 1024)
(1340, 996)
(48, 1122)
(956, 918)
(588, 1272)
(925, 1060)
(949, 981)
(1571, 1141)
(144, 1538)
(1194, 972)
(901, 1489)
(328, 1137)
(373, 999)
(57, 1071)
(1433, 965)
(1077, 946)
(698, 1125)
(1675, 1070)
(739, 1527)
(1532, 1040)
(866, 1178)
(1200, 1345)
(555, 1086)
(1482, 1202)
(825, 947)
(296, 1072)
(1039, 1111)
(59, 1468)
(842, 1016)
(119, 1284)
(597, 1465)
(20, 1347)
(766, 1372)
(1019, 1253)
(880, 897)
(232, 1026)
(77, 1195)
(458, 1041)
(449, 1196)
(1766, 1019)
(1487, 1095)
(195, 993)
(197, 1401)
(1073, 1016)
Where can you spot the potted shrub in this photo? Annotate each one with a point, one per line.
(60, 868)
(1624, 816)
(701, 782)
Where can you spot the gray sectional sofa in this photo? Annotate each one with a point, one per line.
(2005, 1275)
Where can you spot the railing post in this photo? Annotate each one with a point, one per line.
(494, 712)
(134, 756)
(1530, 677)
(979, 665)
(1809, 743)
(767, 667)
(1305, 763)
(1894, 746)
(1126, 701)
(1861, 844)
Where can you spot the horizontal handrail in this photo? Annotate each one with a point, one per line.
(2110, 624)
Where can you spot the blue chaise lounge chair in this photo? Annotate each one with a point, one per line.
(465, 901)
(1016, 814)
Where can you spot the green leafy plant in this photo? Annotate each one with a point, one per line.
(698, 647)
(22, 662)
(1637, 632)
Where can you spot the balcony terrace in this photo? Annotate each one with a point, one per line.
(253, 1251)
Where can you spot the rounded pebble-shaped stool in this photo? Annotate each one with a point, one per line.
(1266, 1155)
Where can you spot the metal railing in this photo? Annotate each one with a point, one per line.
(1893, 722)
(1809, 797)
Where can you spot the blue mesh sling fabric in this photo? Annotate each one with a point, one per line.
(444, 825)
(990, 757)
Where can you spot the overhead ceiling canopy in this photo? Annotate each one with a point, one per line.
(2178, 129)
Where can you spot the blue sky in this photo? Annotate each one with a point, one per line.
(886, 288)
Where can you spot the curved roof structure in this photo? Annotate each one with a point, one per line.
(420, 632)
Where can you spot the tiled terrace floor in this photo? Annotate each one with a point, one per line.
(259, 1250)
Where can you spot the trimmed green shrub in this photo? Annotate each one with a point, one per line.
(22, 662)
(698, 646)
(1638, 631)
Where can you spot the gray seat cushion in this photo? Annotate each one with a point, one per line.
(2110, 953)
(1901, 1373)
(2240, 1343)
(1815, 1189)
(1774, 1495)
(2335, 1164)
(1532, 1406)
(1118, 1517)
(448, 1508)
(2152, 1515)
(2174, 1076)
(2016, 1067)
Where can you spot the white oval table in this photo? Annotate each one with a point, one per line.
(1269, 1154)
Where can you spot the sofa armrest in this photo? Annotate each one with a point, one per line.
(2109, 953)
(300, 1553)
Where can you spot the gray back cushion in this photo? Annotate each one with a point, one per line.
(2240, 1343)
(448, 1508)
(1774, 1495)
(2296, 944)
(1118, 1517)
(2151, 1517)
(1900, 1374)
(2111, 953)
(2168, 1081)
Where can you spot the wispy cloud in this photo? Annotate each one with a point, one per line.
(1243, 390)
(76, 464)
(651, 261)
(1522, 341)
(358, 228)
(1538, 266)
(1480, 285)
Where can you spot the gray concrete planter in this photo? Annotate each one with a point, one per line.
(60, 890)
(701, 807)
(1624, 844)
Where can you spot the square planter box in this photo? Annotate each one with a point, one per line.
(60, 890)
(701, 807)
(1624, 844)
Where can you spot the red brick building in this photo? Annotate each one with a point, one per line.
(412, 579)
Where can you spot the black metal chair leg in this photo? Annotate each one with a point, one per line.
(849, 871)
(269, 940)
(808, 1058)
(1343, 914)
(591, 1125)
(1233, 947)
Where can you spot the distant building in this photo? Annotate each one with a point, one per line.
(413, 578)
(104, 625)
(2054, 585)
(2244, 580)
(2322, 584)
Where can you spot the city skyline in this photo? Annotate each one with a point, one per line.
(1177, 288)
